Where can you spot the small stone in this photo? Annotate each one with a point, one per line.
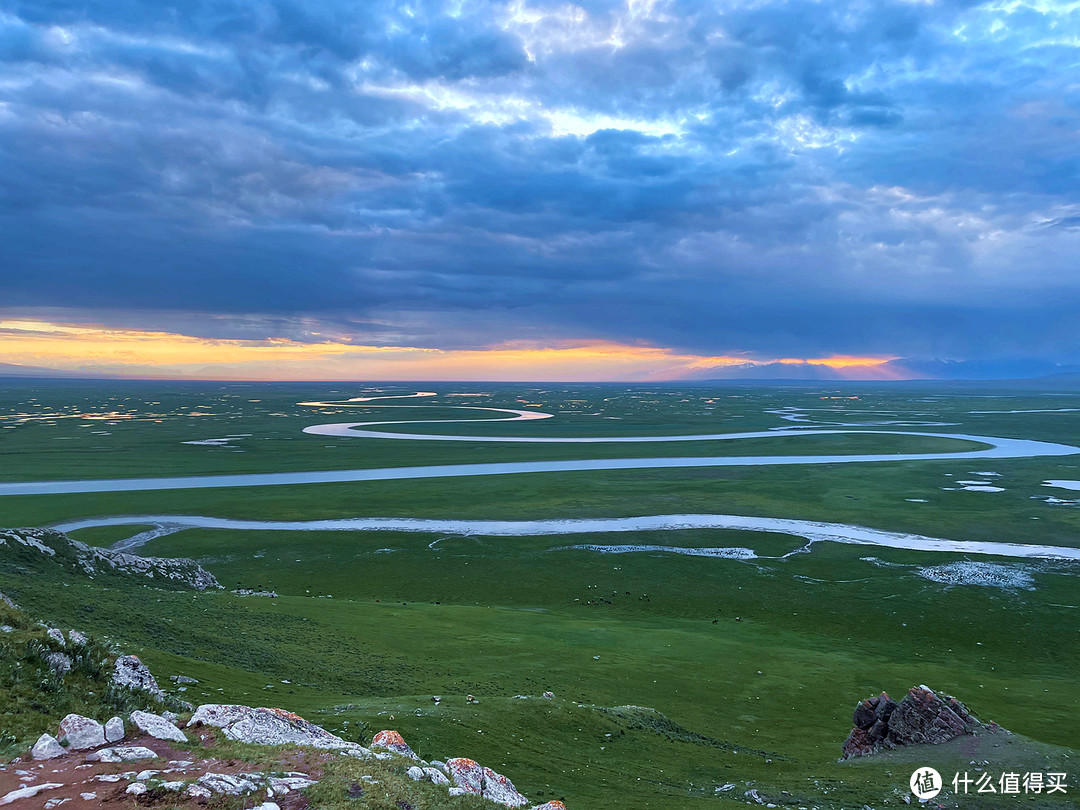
(87, 797)
(415, 773)
(136, 789)
(56, 635)
(47, 747)
(77, 638)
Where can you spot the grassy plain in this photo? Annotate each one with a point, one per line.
(753, 666)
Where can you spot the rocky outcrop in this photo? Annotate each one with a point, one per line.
(91, 560)
(923, 717)
(264, 726)
(130, 672)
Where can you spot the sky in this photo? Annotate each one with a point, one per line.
(651, 189)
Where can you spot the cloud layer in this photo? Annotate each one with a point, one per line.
(744, 179)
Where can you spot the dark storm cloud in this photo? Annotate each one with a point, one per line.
(783, 179)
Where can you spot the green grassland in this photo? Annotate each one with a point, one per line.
(748, 670)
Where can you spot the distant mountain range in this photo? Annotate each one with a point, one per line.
(13, 370)
(901, 369)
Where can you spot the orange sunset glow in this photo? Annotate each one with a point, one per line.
(134, 353)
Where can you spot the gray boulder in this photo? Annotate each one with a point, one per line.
(132, 673)
(82, 732)
(47, 748)
(436, 777)
(227, 784)
(114, 730)
(265, 726)
(157, 727)
(122, 753)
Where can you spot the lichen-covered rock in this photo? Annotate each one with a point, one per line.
(466, 774)
(472, 777)
(923, 717)
(264, 726)
(77, 638)
(47, 747)
(157, 727)
(554, 804)
(132, 673)
(415, 773)
(122, 753)
(500, 789)
(56, 635)
(392, 741)
(114, 730)
(7, 601)
(81, 732)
